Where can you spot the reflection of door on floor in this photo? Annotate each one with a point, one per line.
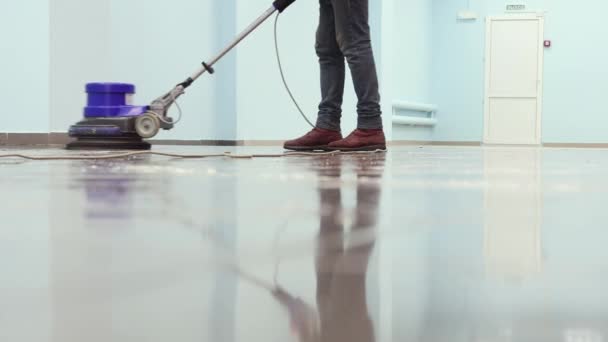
(512, 215)
(514, 69)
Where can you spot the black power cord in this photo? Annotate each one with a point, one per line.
(276, 46)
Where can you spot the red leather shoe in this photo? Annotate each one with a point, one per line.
(361, 140)
(317, 139)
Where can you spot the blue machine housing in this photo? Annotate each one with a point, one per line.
(110, 100)
(109, 119)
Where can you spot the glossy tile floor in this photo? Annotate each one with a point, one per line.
(420, 244)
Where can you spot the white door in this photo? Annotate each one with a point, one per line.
(514, 69)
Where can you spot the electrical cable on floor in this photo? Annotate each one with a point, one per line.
(180, 156)
(276, 47)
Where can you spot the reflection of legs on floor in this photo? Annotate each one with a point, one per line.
(330, 245)
(342, 269)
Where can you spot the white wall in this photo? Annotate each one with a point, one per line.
(264, 109)
(79, 52)
(62, 46)
(157, 45)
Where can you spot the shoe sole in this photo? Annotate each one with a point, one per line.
(370, 148)
(323, 148)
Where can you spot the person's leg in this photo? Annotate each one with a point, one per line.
(354, 39)
(332, 66)
(331, 61)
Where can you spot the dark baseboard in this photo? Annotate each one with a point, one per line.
(54, 139)
(576, 145)
(34, 139)
(59, 139)
(26, 139)
(267, 143)
(433, 143)
(196, 142)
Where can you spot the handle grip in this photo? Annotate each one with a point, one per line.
(281, 5)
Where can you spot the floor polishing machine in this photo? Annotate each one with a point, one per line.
(111, 121)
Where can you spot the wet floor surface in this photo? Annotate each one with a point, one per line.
(420, 244)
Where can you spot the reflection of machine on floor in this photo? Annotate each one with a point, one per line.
(111, 122)
(107, 198)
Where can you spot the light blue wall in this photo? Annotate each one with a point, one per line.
(412, 49)
(24, 70)
(424, 55)
(224, 88)
(457, 72)
(574, 76)
(576, 73)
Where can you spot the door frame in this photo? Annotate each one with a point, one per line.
(541, 58)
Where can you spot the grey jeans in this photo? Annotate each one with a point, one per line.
(344, 33)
